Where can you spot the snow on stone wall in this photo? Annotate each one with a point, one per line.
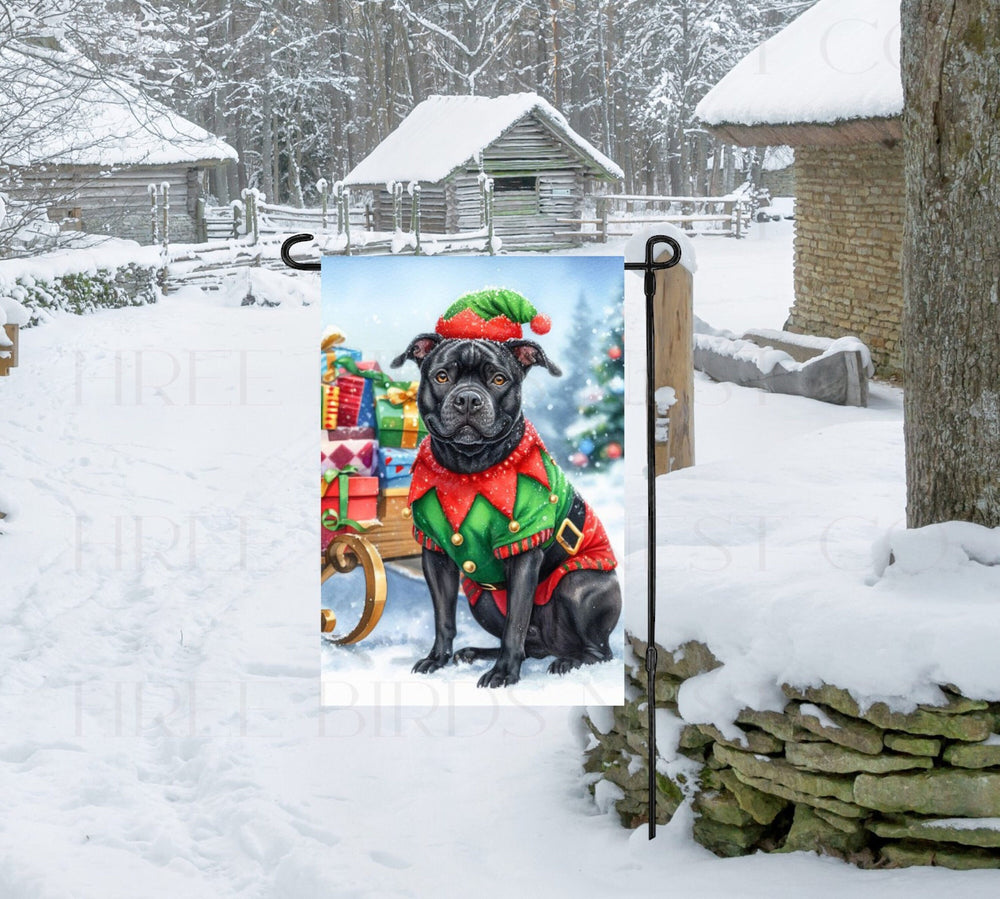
(825, 773)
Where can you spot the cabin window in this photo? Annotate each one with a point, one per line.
(514, 183)
(515, 195)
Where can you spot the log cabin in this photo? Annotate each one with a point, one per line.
(84, 146)
(541, 168)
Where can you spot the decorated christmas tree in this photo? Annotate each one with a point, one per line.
(559, 419)
(600, 431)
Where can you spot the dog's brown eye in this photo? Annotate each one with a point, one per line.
(499, 380)
(441, 377)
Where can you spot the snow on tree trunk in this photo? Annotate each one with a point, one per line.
(951, 260)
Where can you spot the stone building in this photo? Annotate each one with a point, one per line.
(829, 86)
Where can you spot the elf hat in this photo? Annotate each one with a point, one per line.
(494, 313)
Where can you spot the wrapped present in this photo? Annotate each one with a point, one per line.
(348, 501)
(346, 433)
(332, 337)
(370, 371)
(394, 466)
(361, 455)
(396, 417)
(329, 404)
(355, 380)
(351, 396)
(330, 366)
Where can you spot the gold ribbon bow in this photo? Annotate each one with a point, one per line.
(400, 396)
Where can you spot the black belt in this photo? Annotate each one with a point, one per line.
(569, 538)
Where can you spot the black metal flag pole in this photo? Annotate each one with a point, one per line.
(649, 267)
(286, 255)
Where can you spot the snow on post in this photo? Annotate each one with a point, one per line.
(673, 365)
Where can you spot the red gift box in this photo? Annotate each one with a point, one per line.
(351, 390)
(347, 502)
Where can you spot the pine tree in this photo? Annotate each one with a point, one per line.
(602, 438)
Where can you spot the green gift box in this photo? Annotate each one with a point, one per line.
(396, 417)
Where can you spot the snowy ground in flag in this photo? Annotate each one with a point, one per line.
(159, 690)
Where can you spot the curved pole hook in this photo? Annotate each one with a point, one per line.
(649, 266)
(286, 255)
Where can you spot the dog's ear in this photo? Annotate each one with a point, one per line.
(418, 350)
(529, 353)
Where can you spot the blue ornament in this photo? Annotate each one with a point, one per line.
(586, 446)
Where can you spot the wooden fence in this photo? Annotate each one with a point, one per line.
(341, 226)
(619, 215)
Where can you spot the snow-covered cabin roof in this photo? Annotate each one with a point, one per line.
(62, 110)
(836, 64)
(444, 133)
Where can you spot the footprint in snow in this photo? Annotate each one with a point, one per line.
(388, 860)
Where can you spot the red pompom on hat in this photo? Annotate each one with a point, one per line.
(495, 313)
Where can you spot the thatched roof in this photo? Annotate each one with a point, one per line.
(830, 77)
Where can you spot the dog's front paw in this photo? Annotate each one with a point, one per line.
(501, 675)
(430, 664)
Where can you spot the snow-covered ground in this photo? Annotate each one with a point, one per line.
(159, 701)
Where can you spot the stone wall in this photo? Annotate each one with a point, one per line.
(848, 241)
(874, 787)
(779, 182)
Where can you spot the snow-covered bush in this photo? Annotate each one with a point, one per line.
(81, 292)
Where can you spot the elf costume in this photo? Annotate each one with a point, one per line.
(521, 503)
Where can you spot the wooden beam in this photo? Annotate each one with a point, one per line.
(673, 363)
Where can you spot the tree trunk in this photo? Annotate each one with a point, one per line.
(951, 260)
(266, 127)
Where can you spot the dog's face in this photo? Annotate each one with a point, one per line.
(470, 390)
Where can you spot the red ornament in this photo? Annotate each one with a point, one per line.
(580, 460)
(615, 353)
(613, 450)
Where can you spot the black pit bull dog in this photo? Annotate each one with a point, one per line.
(493, 511)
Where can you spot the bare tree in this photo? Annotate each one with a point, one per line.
(951, 260)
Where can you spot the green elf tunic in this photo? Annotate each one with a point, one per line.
(480, 519)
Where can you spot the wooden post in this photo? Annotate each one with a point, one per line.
(321, 187)
(490, 235)
(346, 197)
(200, 223)
(415, 217)
(673, 364)
(153, 219)
(254, 221)
(9, 362)
(397, 206)
(165, 209)
(602, 214)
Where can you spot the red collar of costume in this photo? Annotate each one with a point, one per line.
(498, 484)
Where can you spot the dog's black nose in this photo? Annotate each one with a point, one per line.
(467, 401)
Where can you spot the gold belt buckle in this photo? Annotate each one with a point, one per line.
(575, 548)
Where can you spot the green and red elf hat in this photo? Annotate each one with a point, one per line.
(494, 313)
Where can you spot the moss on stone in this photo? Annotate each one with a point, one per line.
(840, 760)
